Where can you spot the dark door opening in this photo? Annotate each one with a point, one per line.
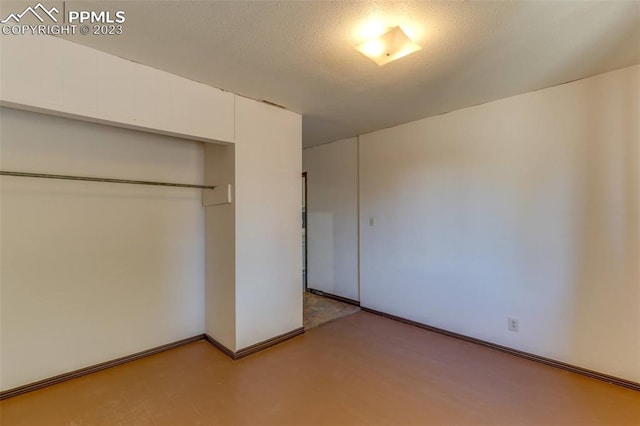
(304, 231)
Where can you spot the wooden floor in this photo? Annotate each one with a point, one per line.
(360, 369)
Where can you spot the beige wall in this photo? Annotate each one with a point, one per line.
(89, 271)
(526, 207)
(86, 84)
(141, 254)
(268, 222)
(332, 217)
(254, 261)
(220, 234)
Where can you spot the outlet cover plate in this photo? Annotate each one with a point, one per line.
(513, 324)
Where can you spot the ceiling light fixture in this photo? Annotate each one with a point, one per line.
(392, 45)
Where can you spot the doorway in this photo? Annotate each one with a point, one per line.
(304, 231)
(317, 309)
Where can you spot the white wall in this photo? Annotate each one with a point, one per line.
(56, 76)
(93, 271)
(526, 207)
(253, 287)
(268, 222)
(332, 217)
(220, 235)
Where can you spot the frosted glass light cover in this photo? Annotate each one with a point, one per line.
(392, 45)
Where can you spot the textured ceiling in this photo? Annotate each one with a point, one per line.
(301, 54)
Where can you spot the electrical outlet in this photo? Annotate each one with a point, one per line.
(370, 220)
(513, 324)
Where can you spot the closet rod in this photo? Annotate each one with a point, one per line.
(93, 179)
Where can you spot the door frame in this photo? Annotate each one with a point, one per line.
(305, 226)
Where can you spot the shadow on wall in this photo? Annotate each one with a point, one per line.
(321, 245)
(606, 297)
(313, 125)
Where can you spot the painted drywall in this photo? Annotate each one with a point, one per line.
(220, 289)
(86, 84)
(124, 94)
(526, 207)
(268, 222)
(92, 271)
(332, 217)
